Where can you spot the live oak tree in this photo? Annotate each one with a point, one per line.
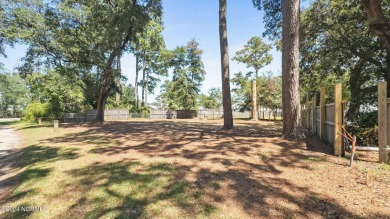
(223, 39)
(71, 35)
(378, 19)
(332, 50)
(255, 54)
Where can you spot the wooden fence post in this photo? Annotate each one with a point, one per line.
(56, 124)
(314, 114)
(307, 114)
(338, 120)
(323, 114)
(254, 101)
(382, 122)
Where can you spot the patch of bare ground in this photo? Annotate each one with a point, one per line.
(204, 171)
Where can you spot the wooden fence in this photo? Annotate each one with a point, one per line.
(189, 114)
(90, 116)
(326, 120)
(269, 114)
(74, 117)
(172, 114)
(210, 114)
(329, 122)
(217, 114)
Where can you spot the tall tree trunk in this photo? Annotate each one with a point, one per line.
(355, 83)
(254, 101)
(387, 72)
(104, 91)
(106, 83)
(146, 87)
(107, 77)
(143, 84)
(227, 102)
(292, 128)
(136, 100)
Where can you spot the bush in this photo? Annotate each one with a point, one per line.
(144, 111)
(364, 136)
(366, 128)
(367, 119)
(35, 110)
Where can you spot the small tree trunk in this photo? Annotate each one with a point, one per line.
(136, 100)
(292, 128)
(143, 85)
(275, 112)
(146, 88)
(263, 113)
(227, 105)
(254, 104)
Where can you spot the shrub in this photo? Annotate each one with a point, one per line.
(35, 110)
(366, 128)
(144, 111)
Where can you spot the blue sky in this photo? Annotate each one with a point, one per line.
(188, 19)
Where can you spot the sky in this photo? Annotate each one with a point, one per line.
(188, 19)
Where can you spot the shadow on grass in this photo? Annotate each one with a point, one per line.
(28, 162)
(35, 126)
(133, 190)
(234, 151)
(30, 176)
(204, 168)
(30, 155)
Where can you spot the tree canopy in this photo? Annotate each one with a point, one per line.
(78, 36)
(188, 74)
(255, 54)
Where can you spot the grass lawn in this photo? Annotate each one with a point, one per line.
(184, 169)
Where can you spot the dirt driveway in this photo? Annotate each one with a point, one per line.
(8, 139)
(9, 142)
